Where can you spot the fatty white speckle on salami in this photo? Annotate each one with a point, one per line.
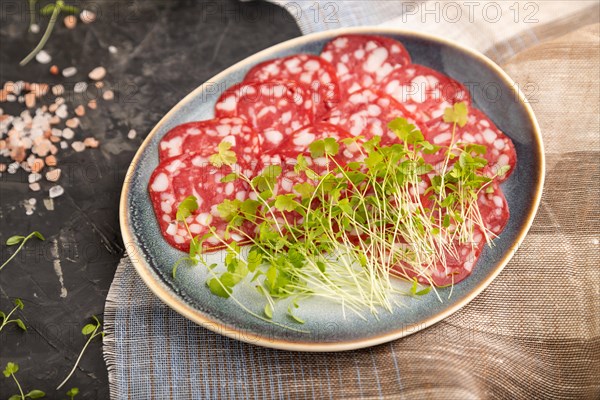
(204, 137)
(310, 70)
(367, 113)
(179, 177)
(273, 109)
(423, 91)
(479, 130)
(362, 61)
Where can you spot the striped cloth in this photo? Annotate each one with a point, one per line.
(531, 334)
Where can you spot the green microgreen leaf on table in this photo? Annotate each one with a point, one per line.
(10, 372)
(91, 331)
(72, 393)
(6, 317)
(21, 240)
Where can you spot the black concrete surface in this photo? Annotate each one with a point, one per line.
(165, 49)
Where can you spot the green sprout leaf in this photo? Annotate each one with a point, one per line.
(457, 114)
(286, 202)
(20, 324)
(406, 131)
(304, 189)
(47, 10)
(186, 208)
(88, 329)
(14, 240)
(218, 288)
(295, 317)
(70, 9)
(269, 310)
(228, 209)
(19, 304)
(35, 394)
(327, 146)
(225, 156)
(11, 368)
(230, 177)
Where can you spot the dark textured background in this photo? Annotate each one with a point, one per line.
(166, 49)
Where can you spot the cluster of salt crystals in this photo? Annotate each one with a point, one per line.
(32, 138)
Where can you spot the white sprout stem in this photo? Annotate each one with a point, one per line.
(92, 336)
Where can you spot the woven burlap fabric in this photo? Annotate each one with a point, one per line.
(533, 333)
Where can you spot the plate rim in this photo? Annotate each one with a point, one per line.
(152, 281)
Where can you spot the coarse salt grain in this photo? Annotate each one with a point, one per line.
(35, 186)
(56, 191)
(51, 161)
(69, 72)
(58, 90)
(54, 175)
(37, 165)
(91, 142)
(87, 16)
(34, 177)
(72, 122)
(61, 111)
(80, 87)
(43, 57)
(70, 21)
(68, 133)
(112, 50)
(49, 204)
(13, 167)
(30, 100)
(132, 134)
(78, 146)
(108, 95)
(80, 111)
(97, 74)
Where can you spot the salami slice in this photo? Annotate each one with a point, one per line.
(204, 137)
(367, 113)
(274, 109)
(362, 61)
(423, 91)
(185, 175)
(307, 69)
(480, 130)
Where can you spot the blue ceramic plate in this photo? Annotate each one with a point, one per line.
(326, 328)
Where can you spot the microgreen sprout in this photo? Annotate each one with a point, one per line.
(54, 11)
(9, 372)
(6, 317)
(346, 231)
(91, 331)
(13, 240)
(73, 392)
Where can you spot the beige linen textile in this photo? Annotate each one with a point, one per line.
(533, 333)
